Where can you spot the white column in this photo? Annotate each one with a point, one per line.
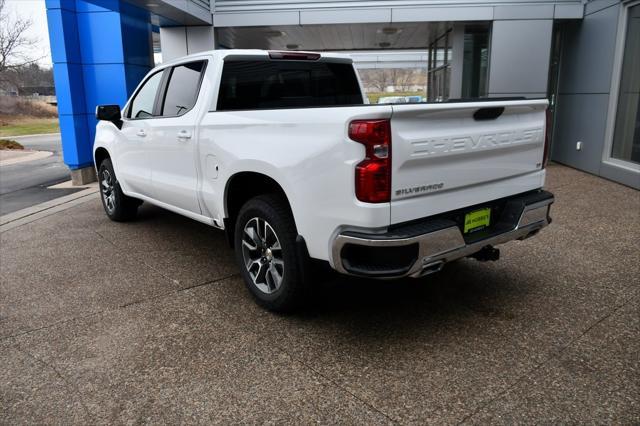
(176, 42)
(173, 42)
(200, 39)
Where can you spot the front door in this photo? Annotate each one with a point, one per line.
(132, 160)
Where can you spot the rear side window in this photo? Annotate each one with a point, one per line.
(182, 89)
(142, 104)
(264, 84)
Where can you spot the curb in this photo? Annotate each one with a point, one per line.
(39, 211)
(29, 136)
(35, 155)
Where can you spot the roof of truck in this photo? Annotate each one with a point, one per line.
(223, 53)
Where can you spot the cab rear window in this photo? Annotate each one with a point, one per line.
(267, 84)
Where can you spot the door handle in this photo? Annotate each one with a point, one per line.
(184, 134)
(141, 133)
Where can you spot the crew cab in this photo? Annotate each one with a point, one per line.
(282, 151)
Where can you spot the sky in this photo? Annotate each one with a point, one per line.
(34, 9)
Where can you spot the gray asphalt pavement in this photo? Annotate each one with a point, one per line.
(25, 184)
(149, 322)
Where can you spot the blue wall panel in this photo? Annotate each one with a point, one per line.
(100, 38)
(74, 127)
(91, 122)
(134, 75)
(104, 84)
(101, 49)
(68, 77)
(61, 4)
(63, 35)
(98, 5)
(136, 26)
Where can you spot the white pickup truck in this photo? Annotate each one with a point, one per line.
(282, 151)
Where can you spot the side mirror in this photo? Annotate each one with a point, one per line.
(109, 113)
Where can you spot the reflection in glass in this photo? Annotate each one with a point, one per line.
(626, 138)
(438, 70)
(476, 61)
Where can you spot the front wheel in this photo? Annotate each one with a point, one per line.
(117, 206)
(265, 245)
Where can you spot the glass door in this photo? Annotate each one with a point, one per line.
(439, 68)
(554, 73)
(626, 136)
(475, 70)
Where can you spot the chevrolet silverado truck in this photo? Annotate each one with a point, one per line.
(282, 151)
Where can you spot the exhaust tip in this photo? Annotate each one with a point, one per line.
(431, 268)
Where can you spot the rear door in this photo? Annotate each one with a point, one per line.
(173, 155)
(470, 151)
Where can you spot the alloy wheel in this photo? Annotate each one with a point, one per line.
(262, 254)
(107, 188)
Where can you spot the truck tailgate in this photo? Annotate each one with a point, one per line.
(472, 151)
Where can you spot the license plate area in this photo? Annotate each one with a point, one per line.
(477, 220)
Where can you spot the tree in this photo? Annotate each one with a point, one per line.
(403, 78)
(378, 79)
(400, 79)
(15, 44)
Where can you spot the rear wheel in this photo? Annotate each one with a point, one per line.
(265, 244)
(117, 206)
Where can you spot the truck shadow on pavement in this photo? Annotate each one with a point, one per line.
(465, 287)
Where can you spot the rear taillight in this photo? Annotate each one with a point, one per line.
(373, 174)
(547, 138)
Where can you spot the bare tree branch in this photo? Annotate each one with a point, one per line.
(15, 44)
(401, 79)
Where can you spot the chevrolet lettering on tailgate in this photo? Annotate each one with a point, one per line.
(477, 142)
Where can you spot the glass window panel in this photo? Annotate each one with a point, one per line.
(142, 104)
(626, 139)
(475, 62)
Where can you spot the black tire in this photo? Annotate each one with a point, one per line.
(292, 291)
(117, 206)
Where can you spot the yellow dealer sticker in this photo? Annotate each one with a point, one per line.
(477, 220)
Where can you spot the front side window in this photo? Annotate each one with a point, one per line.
(264, 84)
(142, 103)
(182, 90)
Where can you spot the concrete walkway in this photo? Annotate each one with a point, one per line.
(16, 156)
(148, 322)
(25, 183)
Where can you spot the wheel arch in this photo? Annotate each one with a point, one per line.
(243, 186)
(99, 155)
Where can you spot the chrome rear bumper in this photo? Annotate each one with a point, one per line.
(442, 245)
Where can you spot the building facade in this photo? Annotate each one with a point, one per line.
(583, 56)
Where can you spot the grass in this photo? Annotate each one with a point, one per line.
(18, 126)
(374, 96)
(9, 144)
